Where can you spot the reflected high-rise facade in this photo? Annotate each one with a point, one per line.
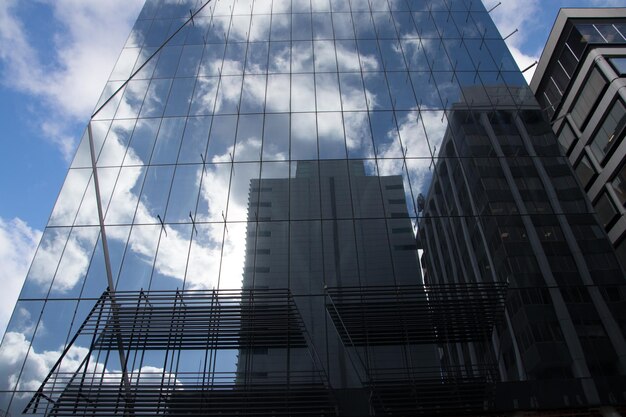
(262, 171)
(350, 233)
(504, 206)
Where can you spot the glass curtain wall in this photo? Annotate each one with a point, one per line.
(278, 163)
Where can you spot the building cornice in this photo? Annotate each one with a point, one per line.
(565, 14)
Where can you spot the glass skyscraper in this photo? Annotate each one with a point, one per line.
(317, 207)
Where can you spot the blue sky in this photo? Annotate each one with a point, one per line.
(55, 56)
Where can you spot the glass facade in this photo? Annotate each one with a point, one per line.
(319, 207)
(505, 206)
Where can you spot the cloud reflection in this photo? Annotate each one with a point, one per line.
(262, 106)
(197, 259)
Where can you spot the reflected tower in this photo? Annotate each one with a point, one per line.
(236, 234)
(350, 248)
(504, 206)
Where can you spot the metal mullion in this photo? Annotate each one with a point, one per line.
(211, 296)
(261, 159)
(65, 351)
(368, 112)
(354, 228)
(215, 344)
(121, 167)
(163, 228)
(92, 347)
(462, 169)
(249, 358)
(181, 340)
(193, 226)
(68, 346)
(93, 178)
(195, 210)
(230, 180)
(224, 231)
(149, 58)
(137, 351)
(239, 118)
(430, 148)
(404, 349)
(132, 224)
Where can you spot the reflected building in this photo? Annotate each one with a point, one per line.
(504, 206)
(349, 249)
(236, 234)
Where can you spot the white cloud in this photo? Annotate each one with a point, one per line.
(15, 50)
(515, 14)
(14, 351)
(524, 61)
(88, 38)
(56, 133)
(18, 242)
(86, 54)
(17, 350)
(607, 3)
(521, 15)
(419, 144)
(65, 258)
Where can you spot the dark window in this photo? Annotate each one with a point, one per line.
(405, 247)
(621, 28)
(261, 233)
(605, 209)
(399, 215)
(620, 251)
(568, 61)
(401, 230)
(560, 77)
(261, 269)
(609, 33)
(619, 64)
(552, 98)
(547, 331)
(577, 42)
(611, 131)
(589, 329)
(567, 138)
(575, 294)
(590, 33)
(619, 184)
(585, 171)
(549, 233)
(590, 94)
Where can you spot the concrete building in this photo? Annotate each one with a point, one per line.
(580, 83)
